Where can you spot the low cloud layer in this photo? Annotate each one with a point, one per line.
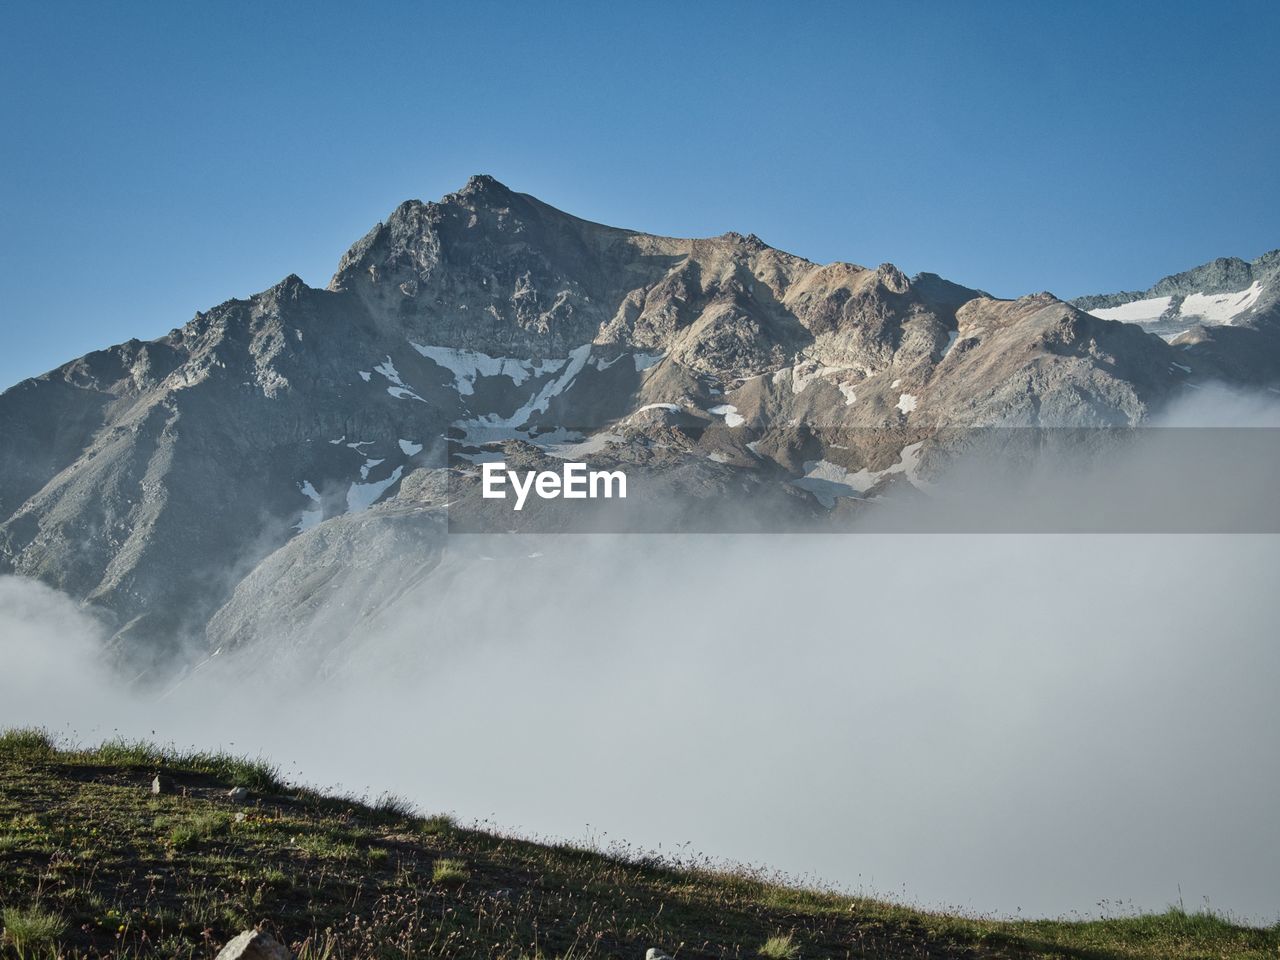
(997, 723)
(1041, 724)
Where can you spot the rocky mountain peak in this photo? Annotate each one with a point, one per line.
(1226, 312)
(484, 185)
(892, 279)
(290, 431)
(291, 288)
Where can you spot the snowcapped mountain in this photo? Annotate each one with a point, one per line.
(256, 470)
(1193, 309)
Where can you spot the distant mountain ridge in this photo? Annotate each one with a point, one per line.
(1223, 275)
(1227, 311)
(240, 476)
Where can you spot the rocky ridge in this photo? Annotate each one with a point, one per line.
(253, 470)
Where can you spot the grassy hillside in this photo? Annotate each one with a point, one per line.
(92, 864)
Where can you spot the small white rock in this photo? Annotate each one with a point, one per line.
(254, 945)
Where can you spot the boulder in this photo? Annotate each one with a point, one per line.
(254, 945)
(238, 795)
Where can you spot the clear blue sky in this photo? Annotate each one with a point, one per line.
(160, 158)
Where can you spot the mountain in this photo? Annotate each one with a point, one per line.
(1224, 314)
(254, 471)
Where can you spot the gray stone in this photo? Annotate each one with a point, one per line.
(254, 945)
(238, 795)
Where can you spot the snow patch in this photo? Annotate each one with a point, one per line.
(952, 337)
(730, 413)
(1220, 308)
(403, 393)
(398, 389)
(572, 366)
(361, 496)
(805, 372)
(388, 370)
(827, 480)
(575, 451)
(906, 402)
(644, 361)
(314, 514)
(601, 364)
(310, 518)
(1214, 309)
(409, 448)
(469, 365)
(1137, 311)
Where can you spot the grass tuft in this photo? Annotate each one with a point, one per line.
(28, 742)
(31, 929)
(449, 871)
(198, 828)
(396, 806)
(781, 946)
(236, 771)
(437, 825)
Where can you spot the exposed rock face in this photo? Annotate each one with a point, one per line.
(1224, 275)
(256, 470)
(1223, 315)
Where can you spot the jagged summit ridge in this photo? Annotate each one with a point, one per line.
(197, 487)
(1207, 308)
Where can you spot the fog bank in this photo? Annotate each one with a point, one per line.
(1004, 724)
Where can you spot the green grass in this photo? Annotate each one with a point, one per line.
(326, 847)
(780, 947)
(449, 871)
(233, 771)
(395, 807)
(198, 828)
(31, 930)
(27, 741)
(436, 825)
(92, 865)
